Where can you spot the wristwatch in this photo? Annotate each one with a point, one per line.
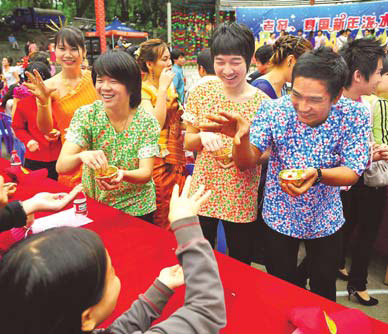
(319, 178)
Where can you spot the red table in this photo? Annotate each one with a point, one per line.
(256, 302)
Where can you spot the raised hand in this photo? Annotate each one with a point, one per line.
(165, 79)
(37, 87)
(229, 124)
(172, 277)
(94, 159)
(182, 206)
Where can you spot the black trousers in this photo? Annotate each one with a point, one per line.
(363, 210)
(50, 166)
(281, 256)
(239, 237)
(149, 217)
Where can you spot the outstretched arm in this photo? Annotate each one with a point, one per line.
(204, 308)
(245, 155)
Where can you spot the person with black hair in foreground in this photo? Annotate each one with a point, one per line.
(311, 130)
(62, 281)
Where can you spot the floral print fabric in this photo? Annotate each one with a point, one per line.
(234, 192)
(91, 129)
(342, 140)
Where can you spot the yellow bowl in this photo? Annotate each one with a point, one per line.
(224, 155)
(293, 176)
(107, 175)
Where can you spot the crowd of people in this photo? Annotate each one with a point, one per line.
(307, 107)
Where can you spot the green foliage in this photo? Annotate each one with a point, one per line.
(144, 15)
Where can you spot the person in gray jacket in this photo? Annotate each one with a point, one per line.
(62, 281)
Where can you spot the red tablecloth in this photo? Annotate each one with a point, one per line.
(256, 302)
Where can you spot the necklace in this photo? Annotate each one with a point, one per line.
(71, 88)
(124, 126)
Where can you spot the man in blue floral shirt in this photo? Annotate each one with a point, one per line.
(327, 137)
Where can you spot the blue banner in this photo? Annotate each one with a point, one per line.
(328, 18)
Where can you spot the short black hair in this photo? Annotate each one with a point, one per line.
(120, 66)
(233, 39)
(72, 36)
(131, 50)
(41, 67)
(325, 65)
(49, 279)
(40, 56)
(176, 53)
(361, 54)
(204, 59)
(264, 54)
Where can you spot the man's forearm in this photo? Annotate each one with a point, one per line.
(246, 155)
(339, 176)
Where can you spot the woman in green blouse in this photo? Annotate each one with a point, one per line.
(115, 131)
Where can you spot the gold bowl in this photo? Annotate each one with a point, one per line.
(293, 176)
(106, 175)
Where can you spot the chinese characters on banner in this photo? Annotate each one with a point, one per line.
(330, 24)
(370, 15)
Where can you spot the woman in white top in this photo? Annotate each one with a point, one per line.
(10, 73)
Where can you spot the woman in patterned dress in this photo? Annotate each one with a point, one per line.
(234, 192)
(115, 131)
(160, 98)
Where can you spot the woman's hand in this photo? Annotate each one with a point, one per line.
(182, 206)
(112, 184)
(94, 159)
(172, 277)
(33, 145)
(165, 79)
(53, 136)
(37, 87)
(49, 201)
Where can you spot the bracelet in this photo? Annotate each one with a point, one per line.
(40, 104)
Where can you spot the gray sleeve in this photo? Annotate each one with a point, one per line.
(143, 311)
(204, 307)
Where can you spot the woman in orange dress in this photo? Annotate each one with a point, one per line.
(60, 96)
(160, 98)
